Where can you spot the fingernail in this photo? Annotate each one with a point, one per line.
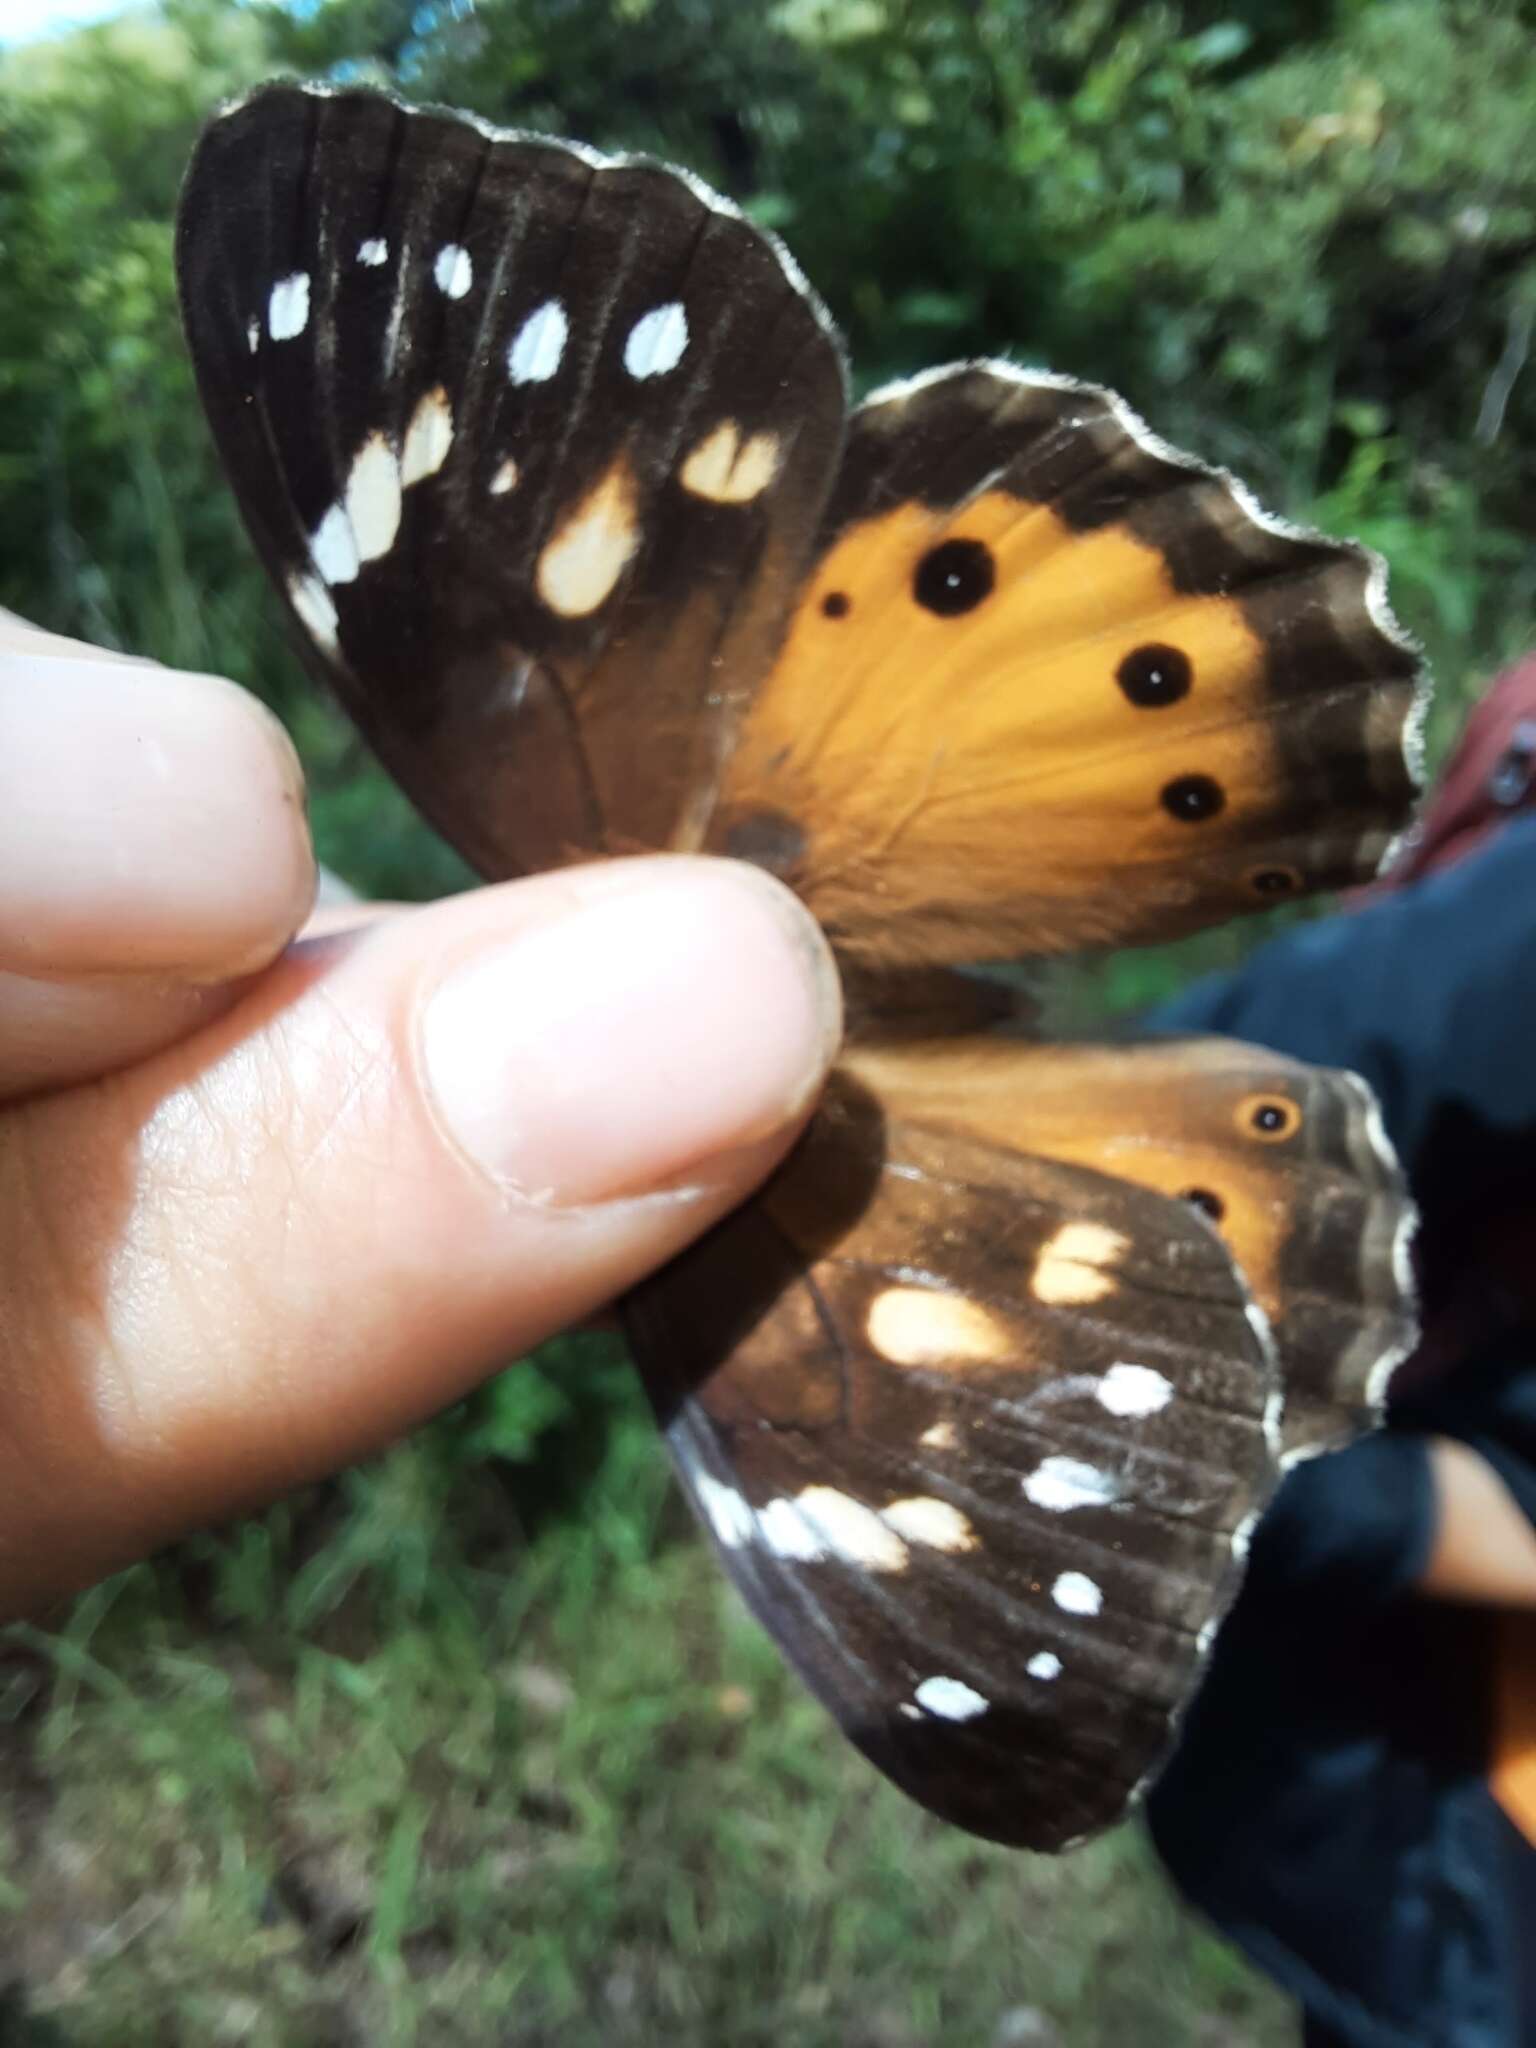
(620, 1047)
(152, 824)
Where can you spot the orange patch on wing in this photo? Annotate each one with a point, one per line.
(956, 757)
(1132, 1113)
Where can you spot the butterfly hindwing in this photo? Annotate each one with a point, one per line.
(1289, 1163)
(1053, 684)
(977, 1434)
(535, 444)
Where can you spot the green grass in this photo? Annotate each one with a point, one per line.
(471, 1747)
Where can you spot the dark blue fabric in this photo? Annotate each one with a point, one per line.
(1327, 1803)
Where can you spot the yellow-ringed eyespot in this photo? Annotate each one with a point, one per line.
(1269, 1118)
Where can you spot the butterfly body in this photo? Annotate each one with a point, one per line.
(551, 459)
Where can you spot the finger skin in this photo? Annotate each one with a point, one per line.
(54, 1034)
(153, 847)
(153, 823)
(267, 1250)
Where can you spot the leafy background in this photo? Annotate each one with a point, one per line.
(469, 1746)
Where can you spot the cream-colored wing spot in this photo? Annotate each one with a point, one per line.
(937, 1523)
(729, 470)
(820, 1522)
(373, 498)
(312, 601)
(1071, 1267)
(592, 546)
(918, 1326)
(428, 437)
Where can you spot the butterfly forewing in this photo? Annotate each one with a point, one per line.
(518, 431)
(976, 1434)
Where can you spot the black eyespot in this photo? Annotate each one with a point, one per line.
(1155, 675)
(1191, 798)
(1271, 1117)
(767, 839)
(837, 604)
(1274, 881)
(954, 577)
(1206, 1200)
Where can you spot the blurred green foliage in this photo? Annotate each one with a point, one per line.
(1300, 235)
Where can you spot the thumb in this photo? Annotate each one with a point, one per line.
(409, 1153)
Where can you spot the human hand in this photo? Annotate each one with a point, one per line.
(265, 1205)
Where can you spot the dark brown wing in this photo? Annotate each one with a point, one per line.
(533, 443)
(978, 1435)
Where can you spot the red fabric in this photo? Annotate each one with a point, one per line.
(1490, 778)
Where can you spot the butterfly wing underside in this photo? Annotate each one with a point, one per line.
(1289, 1163)
(977, 1434)
(1054, 684)
(533, 443)
(548, 456)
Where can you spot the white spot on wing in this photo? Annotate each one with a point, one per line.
(453, 270)
(287, 310)
(922, 1519)
(1077, 1593)
(538, 345)
(940, 1436)
(504, 480)
(1070, 1268)
(729, 1515)
(1128, 1389)
(787, 1533)
(253, 335)
(373, 498)
(1061, 1484)
(1044, 1664)
(428, 437)
(333, 547)
(288, 307)
(589, 551)
(312, 601)
(657, 341)
(950, 1698)
(372, 253)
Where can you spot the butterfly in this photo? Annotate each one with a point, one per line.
(551, 459)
